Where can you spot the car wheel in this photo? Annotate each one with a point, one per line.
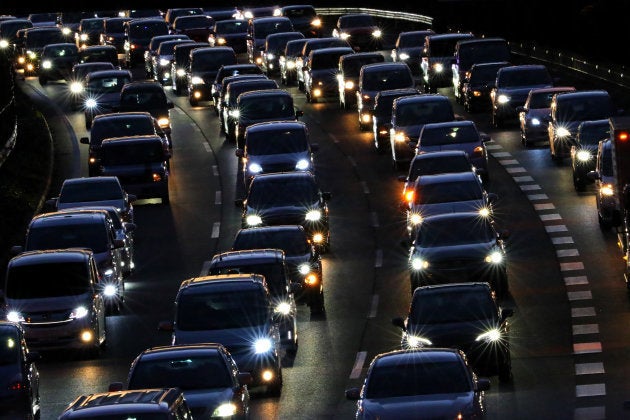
(309, 98)
(293, 347)
(275, 389)
(300, 85)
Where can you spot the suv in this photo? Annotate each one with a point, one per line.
(203, 68)
(304, 19)
(320, 73)
(233, 89)
(464, 316)
(119, 124)
(382, 115)
(584, 150)
(223, 73)
(288, 61)
(274, 46)
(162, 403)
(348, 74)
(376, 77)
(81, 228)
(477, 85)
(609, 210)
(151, 60)
(535, 114)
(438, 55)
(35, 39)
(114, 33)
(360, 30)
(57, 61)
(303, 259)
(101, 93)
(138, 34)
(408, 49)
(271, 264)
(257, 30)
(311, 44)
(235, 310)
(149, 97)
(99, 54)
(181, 63)
(57, 297)
(89, 32)
(141, 163)
(288, 198)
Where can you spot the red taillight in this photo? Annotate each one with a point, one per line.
(409, 196)
(17, 386)
(478, 151)
(622, 135)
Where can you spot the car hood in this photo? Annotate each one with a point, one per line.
(232, 338)
(204, 401)
(49, 309)
(453, 334)
(450, 207)
(137, 169)
(411, 51)
(467, 251)
(431, 406)
(285, 160)
(118, 203)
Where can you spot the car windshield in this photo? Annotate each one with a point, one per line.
(120, 127)
(435, 307)
(277, 42)
(262, 29)
(227, 71)
(193, 22)
(540, 100)
(423, 112)
(231, 27)
(128, 414)
(444, 135)
(235, 89)
(293, 242)
(40, 38)
(484, 74)
(9, 346)
(454, 232)
(421, 378)
(594, 107)
(273, 272)
(142, 100)
(387, 79)
(282, 192)
(383, 105)
(279, 142)
(112, 26)
(438, 165)
(352, 65)
(212, 60)
(186, 372)
(447, 192)
(84, 235)
(167, 48)
(444, 47)
(43, 17)
(591, 134)
(79, 71)
(482, 52)
(108, 84)
(219, 310)
(356, 21)
(411, 39)
(267, 107)
(36, 281)
(132, 153)
(61, 51)
(524, 78)
(294, 48)
(326, 61)
(93, 191)
(98, 55)
(92, 25)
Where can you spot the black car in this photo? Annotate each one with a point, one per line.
(196, 27)
(138, 35)
(226, 71)
(360, 30)
(148, 96)
(101, 93)
(348, 74)
(288, 60)
(382, 115)
(89, 32)
(229, 33)
(288, 198)
(114, 33)
(204, 66)
(304, 19)
(584, 150)
(229, 104)
(465, 316)
(274, 47)
(99, 53)
(320, 74)
(457, 247)
(19, 377)
(57, 61)
(408, 49)
(181, 63)
(151, 60)
(477, 85)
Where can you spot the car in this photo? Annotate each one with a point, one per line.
(348, 75)
(40, 19)
(212, 383)
(511, 88)
(172, 14)
(409, 114)
(274, 46)
(288, 61)
(302, 257)
(89, 32)
(69, 22)
(477, 85)
(57, 61)
(438, 54)
(229, 33)
(19, 383)
(609, 210)
(301, 60)
(437, 382)
(473, 51)
(138, 35)
(56, 296)
(257, 30)
(262, 106)
(114, 33)
(304, 19)
(147, 96)
(457, 135)
(234, 87)
(96, 190)
(99, 53)
(465, 316)
(8, 33)
(459, 247)
(204, 66)
(151, 60)
(83, 228)
(196, 27)
(320, 73)
(534, 115)
(180, 65)
(288, 198)
(382, 114)
(270, 263)
(162, 403)
(584, 150)
(163, 61)
(360, 30)
(408, 49)
(141, 164)
(101, 94)
(234, 310)
(446, 193)
(77, 78)
(28, 56)
(568, 110)
(276, 146)
(226, 71)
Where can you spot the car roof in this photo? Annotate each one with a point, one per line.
(72, 217)
(520, 67)
(480, 41)
(91, 180)
(473, 216)
(51, 256)
(429, 354)
(361, 56)
(114, 141)
(108, 73)
(264, 92)
(277, 125)
(121, 116)
(440, 154)
(164, 352)
(463, 123)
(582, 93)
(257, 254)
(597, 123)
(332, 50)
(383, 66)
(397, 92)
(211, 50)
(284, 175)
(270, 19)
(440, 36)
(446, 177)
(275, 228)
(552, 89)
(142, 85)
(421, 97)
(447, 287)
(229, 280)
(151, 400)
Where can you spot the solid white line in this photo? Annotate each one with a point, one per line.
(563, 253)
(378, 262)
(556, 228)
(575, 280)
(577, 265)
(216, 227)
(561, 240)
(217, 197)
(373, 307)
(581, 295)
(536, 197)
(358, 365)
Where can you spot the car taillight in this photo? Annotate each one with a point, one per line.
(478, 151)
(17, 386)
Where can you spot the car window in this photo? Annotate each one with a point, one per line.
(187, 373)
(326, 61)
(540, 100)
(423, 112)
(77, 192)
(142, 100)
(262, 29)
(452, 306)
(524, 77)
(410, 40)
(104, 85)
(148, 29)
(267, 107)
(287, 141)
(438, 165)
(47, 280)
(292, 242)
(446, 192)
(230, 27)
(352, 66)
(594, 107)
(131, 152)
(445, 135)
(273, 272)
(454, 232)
(387, 79)
(281, 192)
(119, 127)
(84, 235)
(212, 60)
(484, 74)
(591, 134)
(355, 21)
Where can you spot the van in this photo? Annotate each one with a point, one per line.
(138, 34)
(438, 56)
(56, 296)
(204, 65)
(257, 30)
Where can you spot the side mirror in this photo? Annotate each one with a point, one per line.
(84, 140)
(52, 202)
(326, 196)
(115, 387)
(484, 137)
(166, 326)
(399, 322)
(483, 384)
(593, 175)
(239, 153)
(353, 394)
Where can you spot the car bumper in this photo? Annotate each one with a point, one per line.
(55, 336)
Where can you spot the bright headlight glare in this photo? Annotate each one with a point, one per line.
(484, 212)
(4, 43)
(270, 56)
(181, 72)
(304, 269)
(503, 99)
(66, 31)
(283, 308)
(290, 64)
(164, 62)
(15, 316)
(344, 35)
(76, 87)
(317, 22)
(83, 37)
(535, 121)
(377, 33)
(79, 312)
(415, 218)
(224, 410)
(318, 238)
(415, 341)
(563, 132)
(109, 290)
(196, 80)
(253, 220)
(221, 41)
(607, 190)
(419, 264)
(234, 113)
(91, 103)
(313, 215)
(302, 165)
(47, 64)
(255, 168)
(438, 67)
(164, 122)
(490, 336)
(349, 85)
(403, 56)
(400, 137)
(262, 345)
(584, 155)
(494, 257)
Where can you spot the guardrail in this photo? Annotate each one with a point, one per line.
(385, 14)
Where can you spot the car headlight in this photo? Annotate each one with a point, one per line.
(377, 33)
(344, 35)
(91, 103)
(495, 257)
(255, 168)
(415, 218)
(4, 43)
(79, 312)
(290, 64)
(262, 345)
(313, 215)
(47, 64)
(302, 164)
(304, 268)
(76, 87)
(234, 113)
(253, 220)
(403, 56)
(484, 212)
(418, 263)
(607, 190)
(438, 67)
(66, 31)
(415, 341)
(180, 72)
(164, 62)
(221, 41)
(164, 122)
(83, 37)
(400, 136)
(317, 22)
(270, 56)
(225, 410)
(563, 132)
(491, 336)
(503, 99)
(15, 316)
(108, 273)
(283, 308)
(31, 54)
(535, 121)
(110, 290)
(196, 80)
(584, 155)
(349, 85)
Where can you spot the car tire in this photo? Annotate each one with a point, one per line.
(193, 102)
(300, 85)
(293, 348)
